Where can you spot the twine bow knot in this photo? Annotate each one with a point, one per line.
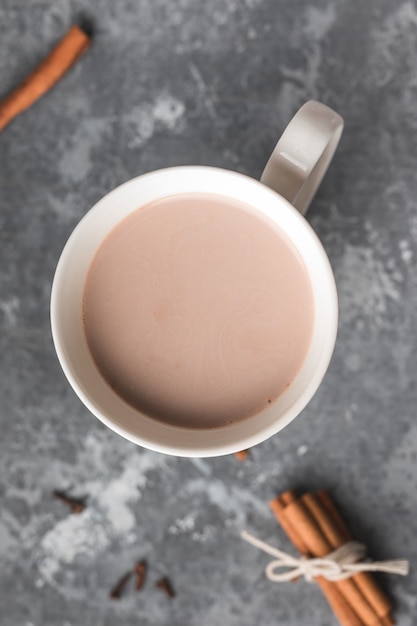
(342, 563)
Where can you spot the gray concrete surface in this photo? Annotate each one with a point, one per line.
(214, 83)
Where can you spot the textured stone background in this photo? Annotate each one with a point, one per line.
(190, 81)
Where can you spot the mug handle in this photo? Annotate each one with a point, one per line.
(303, 154)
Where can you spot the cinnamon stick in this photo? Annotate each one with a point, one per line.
(47, 73)
(337, 534)
(341, 608)
(329, 506)
(320, 545)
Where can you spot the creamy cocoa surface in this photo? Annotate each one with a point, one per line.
(197, 311)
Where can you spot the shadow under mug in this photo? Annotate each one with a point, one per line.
(290, 179)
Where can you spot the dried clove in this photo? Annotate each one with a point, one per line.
(75, 504)
(118, 588)
(164, 585)
(140, 573)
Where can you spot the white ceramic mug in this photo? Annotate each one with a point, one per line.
(287, 187)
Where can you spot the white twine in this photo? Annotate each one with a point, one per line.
(342, 563)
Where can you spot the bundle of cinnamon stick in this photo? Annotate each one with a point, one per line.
(316, 528)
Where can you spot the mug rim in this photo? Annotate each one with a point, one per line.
(181, 441)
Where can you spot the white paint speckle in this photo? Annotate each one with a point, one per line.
(187, 526)
(302, 450)
(202, 466)
(73, 536)
(350, 412)
(406, 251)
(234, 502)
(319, 21)
(10, 308)
(205, 534)
(260, 479)
(142, 127)
(114, 501)
(182, 525)
(398, 29)
(168, 111)
(77, 160)
(142, 122)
